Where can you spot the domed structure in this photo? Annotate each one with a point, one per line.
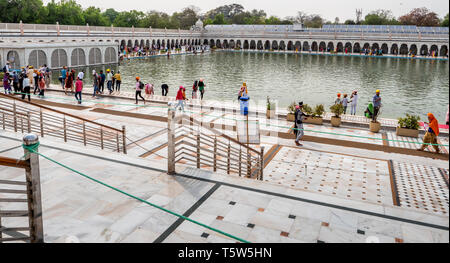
(198, 25)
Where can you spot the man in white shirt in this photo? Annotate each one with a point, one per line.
(109, 77)
(26, 88)
(353, 102)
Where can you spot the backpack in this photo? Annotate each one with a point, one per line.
(141, 85)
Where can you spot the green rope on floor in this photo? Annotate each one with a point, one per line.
(265, 124)
(33, 149)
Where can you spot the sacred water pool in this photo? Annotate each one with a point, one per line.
(407, 86)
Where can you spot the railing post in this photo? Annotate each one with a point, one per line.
(29, 122)
(15, 116)
(198, 150)
(240, 160)
(261, 163)
(41, 122)
(34, 190)
(3, 121)
(84, 133)
(101, 137)
(229, 158)
(124, 139)
(170, 141)
(117, 140)
(65, 128)
(215, 153)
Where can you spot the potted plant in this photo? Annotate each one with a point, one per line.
(337, 110)
(408, 126)
(316, 115)
(270, 113)
(291, 112)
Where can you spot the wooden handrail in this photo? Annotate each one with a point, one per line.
(60, 112)
(14, 163)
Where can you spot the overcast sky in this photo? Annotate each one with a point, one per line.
(329, 9)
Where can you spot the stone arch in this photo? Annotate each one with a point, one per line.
(330, 46)
(172, 43)
(147, 43)
(298, 46)
(163, 43)
(267, 45)
(434, 50)
(232, 43)
(314, 46)
(136, 43)
(123, 44)
(246, 44)
(340, 47)
(218, 44)
(348, 47)
(95, 56)
(305, 46)
(226, 44)
(274, 45)
(142, 44)
(322, 46)
(14, 59)
(37, 58)
(212, 43)
(252, 44)
(290, 45)
(444, 51)
(394, 49)
(59, 58)
(110, 55)
(282, 45)
(259, 45)
(366, 46)
(357, 48)
(375, 46)
(238, 44)
(385, 48)
(413, 49)
(404, 49)
(130, 43)
(78, 57)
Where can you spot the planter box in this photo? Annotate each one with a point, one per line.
(314, 120)
(270, 114)
(290, 117)
(375, 127)
(407, 132)
(335, 121)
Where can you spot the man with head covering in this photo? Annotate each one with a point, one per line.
(244, 99)
(431, 134)
(201, 88)
(299, 118)
(338, 99)
(181, 97)
(376, 105)
(353, 102)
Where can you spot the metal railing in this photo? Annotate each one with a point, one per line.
(29, 192)
(191, 142)
(27, 117)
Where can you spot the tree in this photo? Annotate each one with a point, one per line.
(219, 20)
(94, 17)
(349, 22)
(444, 22)
(187, 17)
(314, 21)
(27, 11)
(111, 15)
(380, 17)
(420, 17)
(65, 12)
(301, 17)
(129, 19)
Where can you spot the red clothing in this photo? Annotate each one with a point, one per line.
(181, 94)
(78, 86)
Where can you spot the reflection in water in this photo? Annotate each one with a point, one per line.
(407, 86)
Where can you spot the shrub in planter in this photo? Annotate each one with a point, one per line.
(408, 126)
(291, 112)
(316, 115)
(2, 74)
(270, 113)
(337, 110)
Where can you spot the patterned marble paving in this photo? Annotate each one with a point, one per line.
(422, 187)
(332, 174)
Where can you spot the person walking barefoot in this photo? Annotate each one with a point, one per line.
(139, 88)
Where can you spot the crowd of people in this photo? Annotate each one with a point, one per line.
(23, 80)
(155, 49)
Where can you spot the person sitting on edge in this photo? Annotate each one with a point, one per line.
(431, 134)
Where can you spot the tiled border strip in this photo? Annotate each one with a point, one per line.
(394, 189)
(444, 176)
(189, 212)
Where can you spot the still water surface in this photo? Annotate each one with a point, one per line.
(407, 86)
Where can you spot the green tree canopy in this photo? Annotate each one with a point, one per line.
(380, 17)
